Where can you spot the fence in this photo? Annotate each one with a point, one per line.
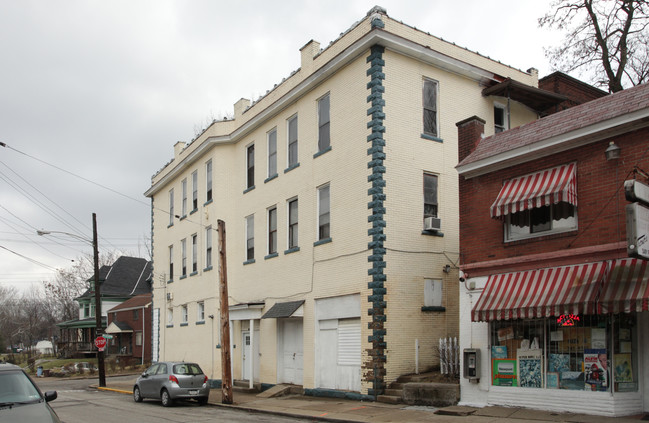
(449, 356)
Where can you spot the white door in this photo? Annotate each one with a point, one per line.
(291, 352)
(245, 365)
(327, 353)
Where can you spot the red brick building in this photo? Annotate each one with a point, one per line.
(549, 295)
(129, 325)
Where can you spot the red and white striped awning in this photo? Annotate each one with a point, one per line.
(627, 287)
(541, 293)
(538, 189)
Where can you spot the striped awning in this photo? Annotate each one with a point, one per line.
(627, 287)
(538, 189)
(541, 293)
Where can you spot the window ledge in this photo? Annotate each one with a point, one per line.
(251, 261)
(320, 153)
(322, 241)
(270, 256)
(291, 167)
(170, 281)
(270, 178)
(170, 225)
(193, 211)
(433, 233)
(431, 138)
(210, 201)
(247, 190)
(183, 277)
(183, 217)
(433, 308)
(170, 326)
(184, 324)
(544, 237)
(207, 269)
(292, 250)
(193, 273)
(200, 322)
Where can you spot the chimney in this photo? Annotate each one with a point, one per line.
(240, 107)
(469, 134)
(178, 148)
(309, 51)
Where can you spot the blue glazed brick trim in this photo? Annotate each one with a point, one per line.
(270, 256)
(247, 190)
(322, 241)
(320, 153)
(291, 167)
(292, 250)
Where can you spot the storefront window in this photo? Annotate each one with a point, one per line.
(591, 353)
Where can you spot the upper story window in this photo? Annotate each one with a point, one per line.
(500, 118)
(292, 141)
(208, 247)
(292, 224)
(194, 253)
(324, 140)
(430, 195)
(208, 180)
(430, 108)
(250, 237)
(171, 263)
(539, 203)
(183, 184)
(183, 313)
(171, 206)
(433, 292)
(250, 166)
(170, 316)
(195, 190)
(323, 213)
(200, 315)
(183, 250)
(272, 230)
(272, 153)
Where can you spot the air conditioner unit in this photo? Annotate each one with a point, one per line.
(432, 224)
(170, 296)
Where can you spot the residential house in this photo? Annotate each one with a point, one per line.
(125, 278)
(338, 191)
(129, 324)
(553, 298)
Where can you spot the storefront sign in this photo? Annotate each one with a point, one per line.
(504, 372)
(567, 319)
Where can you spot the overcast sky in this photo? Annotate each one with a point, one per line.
(94, 94)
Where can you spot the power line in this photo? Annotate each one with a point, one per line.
(29, 259)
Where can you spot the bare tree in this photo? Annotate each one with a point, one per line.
(607, 39)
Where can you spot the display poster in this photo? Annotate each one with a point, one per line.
(552, 380)
(506, 333)
(504, 372)
(595, 370)
(559, 363)
(499, 351)
(623, 369)
(530, 368)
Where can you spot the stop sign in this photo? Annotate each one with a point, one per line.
(100, 343)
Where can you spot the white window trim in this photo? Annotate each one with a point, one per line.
(288, 222)
(530, 235)
(250, 184)
(249, 218)
(318, 211)
(268, 210)
(505, 110)
(183, 207)
(209, 176)
(288, 142)
(437, 111)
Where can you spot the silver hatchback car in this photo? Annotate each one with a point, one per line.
(170, 381)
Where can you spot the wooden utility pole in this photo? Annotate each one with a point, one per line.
(226, 370)
(98, 322)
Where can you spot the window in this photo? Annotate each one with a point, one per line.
(170, 316)
(500, 118)
(272, 153)
(138, 338)
(430, 108)
(272, 230)
(292, 141)
(171, 206)
(184, 202)
(540, 221)
(171, 263)
(432, 293)
(183, 250)
(430, 195)
(195, 191)
(194, 253)
(323, 212)
(250, 237)
(135, 314)
(250, 166)
(183, 314)
(208, 180)
(201, 311)
(208, 247)
(324, 140)
(86, 310)
(292, 224)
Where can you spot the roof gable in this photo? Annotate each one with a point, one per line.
(126, 277)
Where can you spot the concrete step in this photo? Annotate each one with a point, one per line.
(396, 385)
(394, 392)
(417, 378)
(389, 399)
(244, 386)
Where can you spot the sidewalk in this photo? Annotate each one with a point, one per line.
(341, 410)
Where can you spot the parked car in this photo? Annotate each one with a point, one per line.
(170, 381)
(20, 398)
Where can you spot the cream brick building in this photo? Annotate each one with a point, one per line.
(321, 185)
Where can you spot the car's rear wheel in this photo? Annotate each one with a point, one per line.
(166, 399)
(137, 397)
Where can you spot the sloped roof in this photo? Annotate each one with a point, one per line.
(533, 97)
(598, 117)
(126, 277)
(138, 301)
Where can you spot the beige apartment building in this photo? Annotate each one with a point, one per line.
(339, 194)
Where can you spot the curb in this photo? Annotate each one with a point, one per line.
(121, 391)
